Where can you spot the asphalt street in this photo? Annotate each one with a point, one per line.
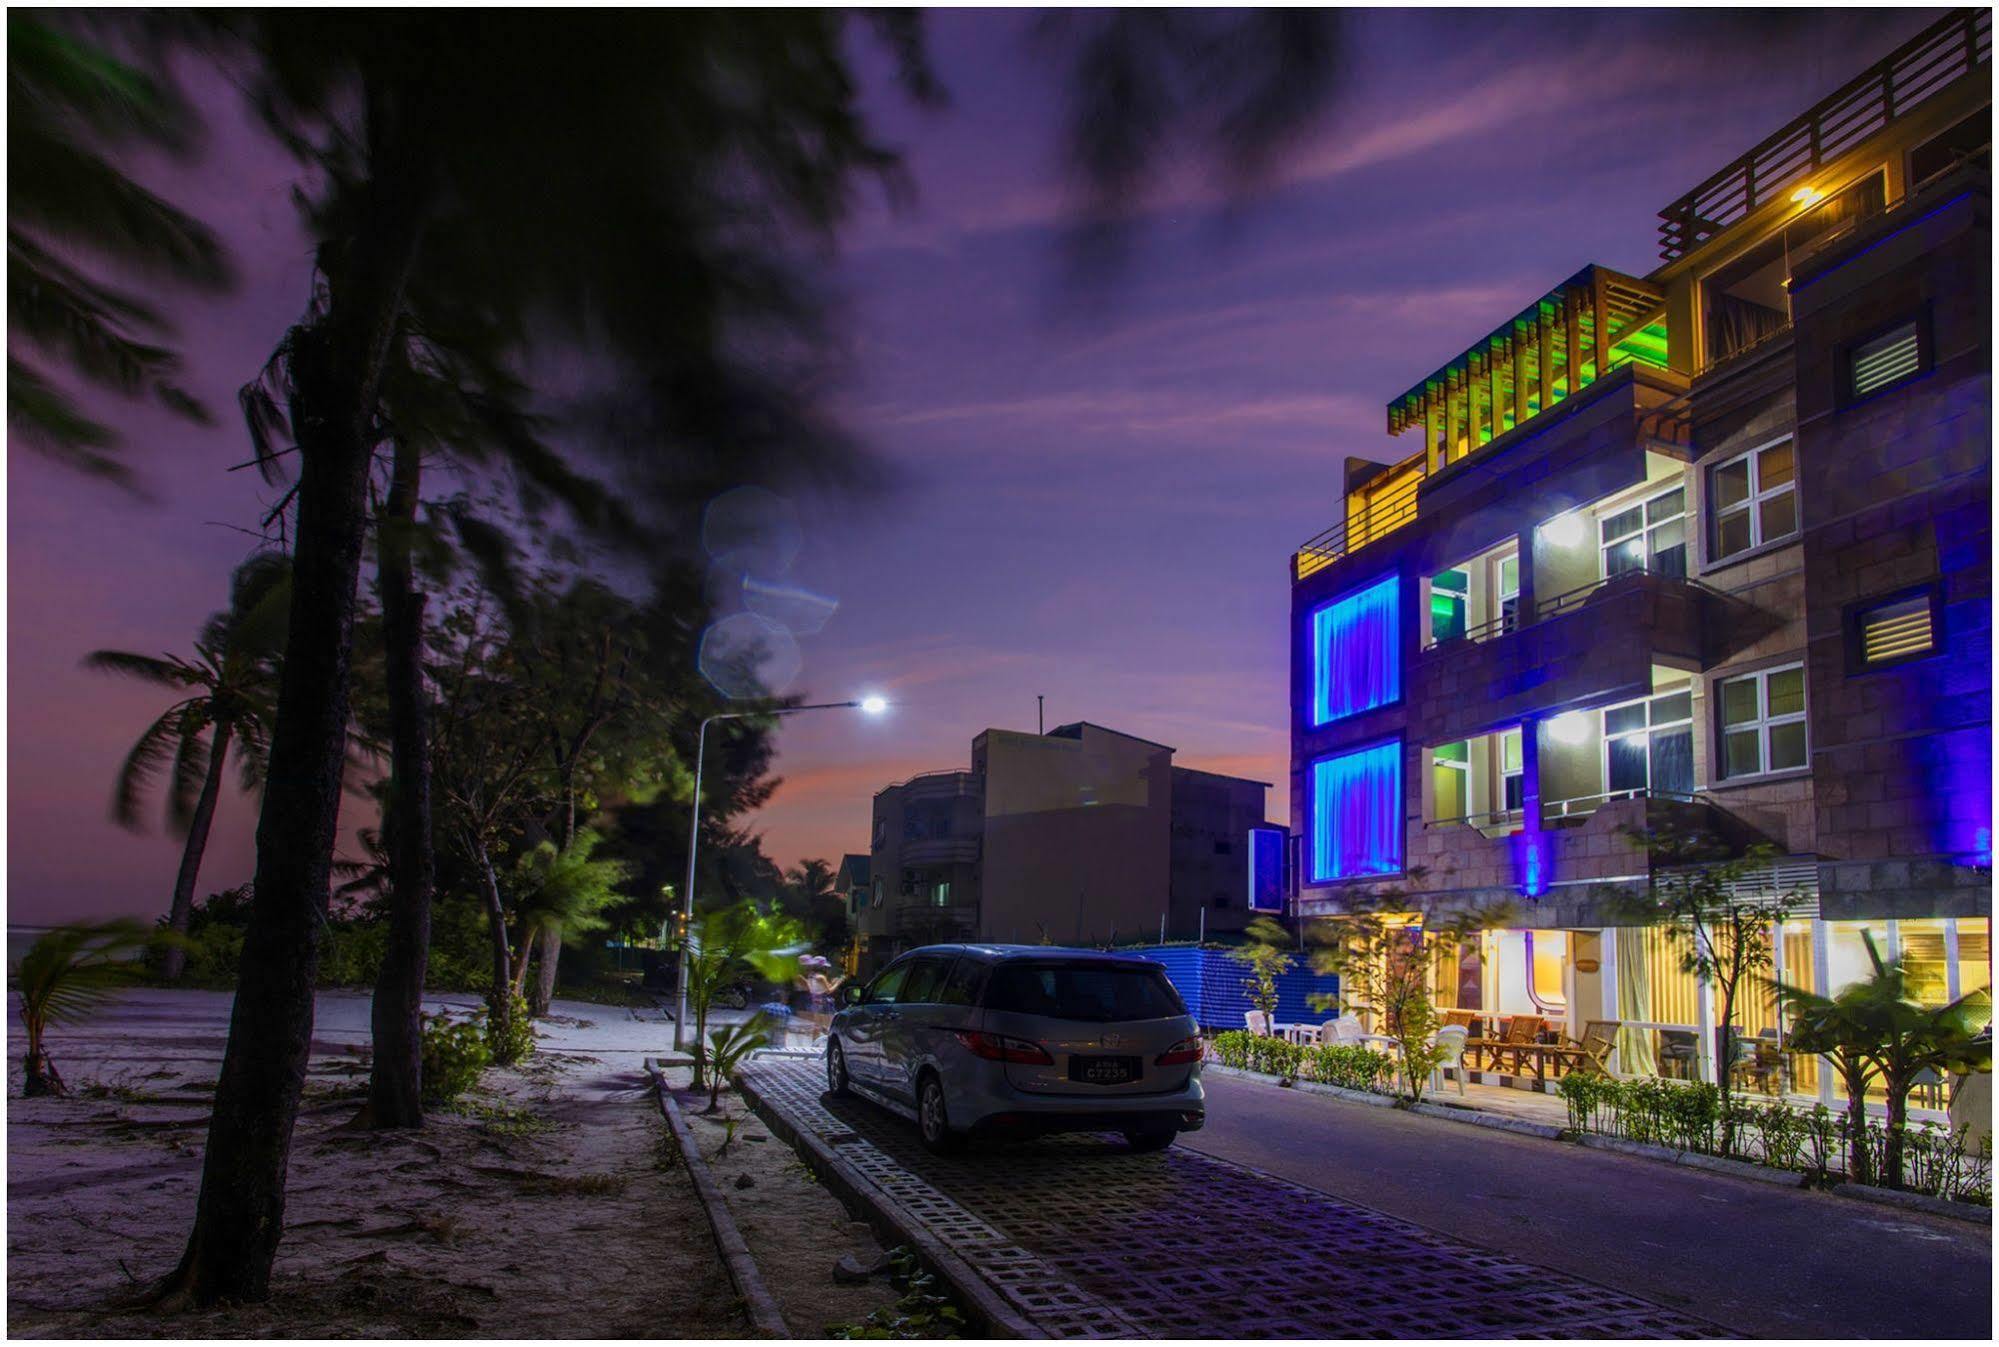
(1759, 1259)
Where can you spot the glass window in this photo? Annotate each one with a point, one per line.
(1896, 631)
(1974, 954)
(1506, 591)
(1450, 606)
(1094, 992)
(1356, 813)
(1763, 722)
(940, 895)
(1648, 746)
(1649, 536)
(1356, 652)
(884, 989)
(1512, 771)
(925, 977)
(961, 984)
(1893, 357)
(1753, 499)
(1450, 780)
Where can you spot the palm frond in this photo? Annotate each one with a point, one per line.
(190, 770)
(155, 748)
(72, 971)
(164, 670)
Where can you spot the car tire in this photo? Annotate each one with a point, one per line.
(1150, 1139)
(933, 1121)
(836, 1070)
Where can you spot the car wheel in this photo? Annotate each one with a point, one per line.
(836, 1070)
(1152, 1139)
(932, 1119)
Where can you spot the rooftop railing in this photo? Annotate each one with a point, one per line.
(1945, 52)
(1371, 511)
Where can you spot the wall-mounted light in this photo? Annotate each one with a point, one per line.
(1807, 196)
(1571, 727)
(1564, 530)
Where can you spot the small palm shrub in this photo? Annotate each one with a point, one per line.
(67, 975)
(509, 1039)
(727, 1047)
(454, 1056)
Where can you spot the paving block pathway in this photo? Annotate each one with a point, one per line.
(1087, 1239)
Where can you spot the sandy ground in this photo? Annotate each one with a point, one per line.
(796, 1229)
(551, 1204)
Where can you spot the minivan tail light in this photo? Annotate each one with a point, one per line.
(1000, 1048)
(1181, 1053)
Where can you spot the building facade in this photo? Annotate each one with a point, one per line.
(1703, 550)
(1082, 835)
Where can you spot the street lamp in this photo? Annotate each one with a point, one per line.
(871, 705)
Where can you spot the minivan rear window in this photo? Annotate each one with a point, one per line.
(1083, 991)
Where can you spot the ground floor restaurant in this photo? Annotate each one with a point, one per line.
(1664, 1018)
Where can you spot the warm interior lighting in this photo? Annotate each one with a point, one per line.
(1564, 530)
(1807, 196)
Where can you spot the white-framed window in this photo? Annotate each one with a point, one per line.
(1753, 498)
(1506, 591)
(1763, 722)
(1650, 535)
(1648, 746)
(1512, 771)
(1450, 780)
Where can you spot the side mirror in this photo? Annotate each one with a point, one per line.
(852, 993)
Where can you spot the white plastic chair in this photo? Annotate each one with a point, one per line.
(1345, 1031)
(1451, 1038)
(1257, 1022)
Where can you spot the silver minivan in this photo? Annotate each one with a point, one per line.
(1018, 1040)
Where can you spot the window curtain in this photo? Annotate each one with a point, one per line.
(1357, 813)
(1356, 652)
(1634, 1002)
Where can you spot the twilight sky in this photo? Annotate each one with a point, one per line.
(1093, 502)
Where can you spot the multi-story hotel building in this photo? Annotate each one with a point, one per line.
(1708, 547)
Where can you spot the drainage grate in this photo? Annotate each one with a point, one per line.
(1089, 1240)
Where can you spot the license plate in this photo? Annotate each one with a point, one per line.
(1103, 1070)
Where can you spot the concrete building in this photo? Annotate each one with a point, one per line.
(1081, 835)
(1705, 548)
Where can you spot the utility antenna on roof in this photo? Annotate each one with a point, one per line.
(1040, 724)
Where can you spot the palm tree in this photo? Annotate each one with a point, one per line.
(68, 973)
(561, 892)
(1875, 1029)
(231, 680)
(65, 96)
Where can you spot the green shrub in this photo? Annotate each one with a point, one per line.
(454, 1056)
(512, 1041)
(1348, 1065)
(351, 952)
(1257, 1052)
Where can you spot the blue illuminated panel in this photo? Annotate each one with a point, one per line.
(1266, 869)
(1356, 652)
(1356, 813)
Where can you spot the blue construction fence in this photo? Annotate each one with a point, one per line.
(1211, 983)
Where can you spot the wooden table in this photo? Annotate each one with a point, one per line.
(1498, 1051)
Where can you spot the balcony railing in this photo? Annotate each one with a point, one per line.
(1945, 52)
(1372, 510)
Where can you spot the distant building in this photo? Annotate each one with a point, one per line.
(1080, 835)
(850, 881)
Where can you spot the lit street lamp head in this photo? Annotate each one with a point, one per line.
(874, 706)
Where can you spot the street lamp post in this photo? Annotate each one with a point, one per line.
(874, 706)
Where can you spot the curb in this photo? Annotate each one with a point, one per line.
(765, 1317)
(1641, 1150)
(893, 1223)
(1935, 1206)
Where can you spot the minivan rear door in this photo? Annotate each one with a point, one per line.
(1102, 1026)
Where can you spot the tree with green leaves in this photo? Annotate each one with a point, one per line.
(1267, 957)
(67, 975)
(1874, 1029)
(1714, 902)
(721, 946)
(560, 891)
(230, 682)
(1383, 952)
(72, 214)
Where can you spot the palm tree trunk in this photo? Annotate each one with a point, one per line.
(544, 986)
(335, 371)
(38, 1073)
(182, 911)
(1859, 1166)
(1898, 1122)
(517, 981)
(395, 1083)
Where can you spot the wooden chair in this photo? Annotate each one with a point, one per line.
(1460, 1019)
(1522, 1032)
(1595, 1046)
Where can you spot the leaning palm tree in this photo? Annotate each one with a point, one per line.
(70, 972)
(231, 683)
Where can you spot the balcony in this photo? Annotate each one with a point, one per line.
(940, 851)
(1375, 506)
(1935, 59)
(924, 924)
(941, 786)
